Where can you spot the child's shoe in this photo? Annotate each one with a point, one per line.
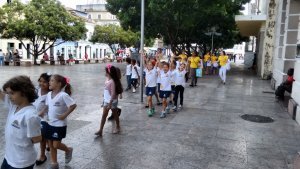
(174, 108)
(162, 114)
(149, 112)
(180, 107)
(153, 110)
(168, 110)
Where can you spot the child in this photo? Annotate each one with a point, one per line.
(59, 105)
(172, 71)
(135, 76)
(165, 88)
(159, 70)
(180, 84)
(151, 78)
(208, 66)
(22, 128)
(128, 73)
(215, 64)
(40, 105)
(120, 95)
(112, 89)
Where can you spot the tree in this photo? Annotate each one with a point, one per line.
(182, 23)
(113, 34)
(42, 22)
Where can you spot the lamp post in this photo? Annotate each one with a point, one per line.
(212, 33)
(142, 47)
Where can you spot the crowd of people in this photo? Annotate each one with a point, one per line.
(39, 116)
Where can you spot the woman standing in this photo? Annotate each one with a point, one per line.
(194, 61)
(223, 59)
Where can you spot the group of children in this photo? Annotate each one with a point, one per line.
(165, 81)
(36, 116)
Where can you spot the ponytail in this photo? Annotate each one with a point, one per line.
(68, 89)
(65, 83)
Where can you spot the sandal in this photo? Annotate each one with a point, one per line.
(40, 162)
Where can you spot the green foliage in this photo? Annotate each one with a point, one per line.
(182, 22)
(41, 22)
(112, 34)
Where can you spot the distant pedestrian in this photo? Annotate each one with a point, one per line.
(1, 57)
(215, 65)
(112, 89)
(194, 62)
(22, 128)
(128, 73)
(59, 106)
(135, 76)
(40, 105)
(223, 60)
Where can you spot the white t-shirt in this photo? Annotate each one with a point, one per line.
(177, 64)
(159, 72)
(172, 77)
(151, 77)
(20, 127)
(58, 106)
(40, 104)
(128, 70)
(165, 83)
(208, 63)
(135, 74)
(180, 77)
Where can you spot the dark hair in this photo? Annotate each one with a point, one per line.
(119, 72)
(113, 73)
(45, 76)
(64, 83)
(133, 61)
(128, 60)
(290, 72)
(24, 85)
(165, 63)
(223, 52)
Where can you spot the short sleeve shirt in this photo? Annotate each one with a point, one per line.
(223, 60)
(58, 106)
(20, 127)
(194, 62)
(151, 77)
(165, 81)
(40, 102)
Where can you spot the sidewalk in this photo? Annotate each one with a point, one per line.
(207, 133)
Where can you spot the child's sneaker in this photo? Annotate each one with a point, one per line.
(168, 110)
(149, 112)
(133, 90)
(153, 110)
(68, 156)
(180, 107)
(174, 108)
(162, 114)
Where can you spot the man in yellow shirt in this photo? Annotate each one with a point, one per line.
(194, 62)
(223, 59)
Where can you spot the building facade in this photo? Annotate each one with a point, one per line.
(278, 40)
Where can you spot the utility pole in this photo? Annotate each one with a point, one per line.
(142, 48)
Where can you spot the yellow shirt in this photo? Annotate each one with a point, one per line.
(183, 57)
(223, 60)
(206, 57)
(194, 62)
(214, 59)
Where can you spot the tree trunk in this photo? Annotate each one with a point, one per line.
(35, 57)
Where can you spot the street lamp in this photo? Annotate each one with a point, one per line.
(212, 33)
(142, 47)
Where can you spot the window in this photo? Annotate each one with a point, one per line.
(99, 16)
(20, 45)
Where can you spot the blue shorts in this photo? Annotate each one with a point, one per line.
(164, 94)
(150, 91)
(158, 87)
(55, 133)
(173, 89)
(44, 127)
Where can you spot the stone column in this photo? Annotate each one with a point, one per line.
(268, 46)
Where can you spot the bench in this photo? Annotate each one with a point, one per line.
(77, 61)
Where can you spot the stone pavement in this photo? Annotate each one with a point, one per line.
(207, 134)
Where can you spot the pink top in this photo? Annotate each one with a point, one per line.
(111, 87)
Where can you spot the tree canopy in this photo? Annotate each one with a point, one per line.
(113, 34)
(182, 23)
(42, 22)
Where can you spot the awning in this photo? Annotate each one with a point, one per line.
(250, 25)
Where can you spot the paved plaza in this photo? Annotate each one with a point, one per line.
(207, 134)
